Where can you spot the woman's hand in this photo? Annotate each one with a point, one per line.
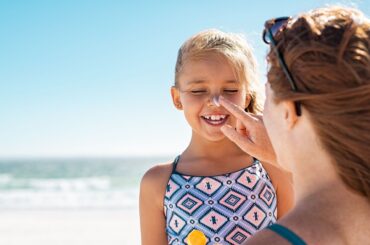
(250, 133)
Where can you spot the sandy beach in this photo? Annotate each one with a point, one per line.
(72, 227)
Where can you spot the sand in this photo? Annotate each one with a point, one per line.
(69, 227)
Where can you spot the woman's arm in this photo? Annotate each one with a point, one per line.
(283, 184)
(152, 218)
(285, 193)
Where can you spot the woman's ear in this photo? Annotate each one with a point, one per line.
(290, 115)
(175, 94)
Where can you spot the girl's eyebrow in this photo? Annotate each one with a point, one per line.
(232, 81)
(204, 81)
(196, 81)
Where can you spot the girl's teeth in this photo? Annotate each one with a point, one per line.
(215, 117)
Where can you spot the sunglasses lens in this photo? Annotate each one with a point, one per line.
(266, 37)
(269, 34)
(276, 27)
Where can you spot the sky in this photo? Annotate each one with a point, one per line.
(92, 78)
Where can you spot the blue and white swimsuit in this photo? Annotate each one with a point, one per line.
(227, 208)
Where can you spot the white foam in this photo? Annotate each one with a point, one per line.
(77, 193)
(77, 184)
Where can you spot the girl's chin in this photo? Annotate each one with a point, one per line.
(215, 137)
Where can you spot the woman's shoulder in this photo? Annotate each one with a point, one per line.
(266, 236)
(281, 234)
(298, 228)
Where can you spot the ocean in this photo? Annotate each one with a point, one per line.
(72, 183)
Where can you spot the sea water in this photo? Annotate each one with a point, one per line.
(72, 183)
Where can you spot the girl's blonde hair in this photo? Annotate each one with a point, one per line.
(237, 52)
(327, 51)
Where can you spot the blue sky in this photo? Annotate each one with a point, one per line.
(92, 78)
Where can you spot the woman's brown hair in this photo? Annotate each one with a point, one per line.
(327, 52)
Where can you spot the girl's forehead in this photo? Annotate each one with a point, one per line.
(206, 68)
(206, 58)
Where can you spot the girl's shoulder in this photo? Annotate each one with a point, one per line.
(153, 183)
(157, 175)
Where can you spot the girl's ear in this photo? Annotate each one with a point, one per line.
(175, 94)
(248, 100)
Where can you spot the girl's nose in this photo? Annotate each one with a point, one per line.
(214, 100)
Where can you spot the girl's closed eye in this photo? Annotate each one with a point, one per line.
(198, 91)
(231, 91)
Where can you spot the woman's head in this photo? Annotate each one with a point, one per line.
(327, 51)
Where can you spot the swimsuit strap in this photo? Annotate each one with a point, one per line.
(289, 235)
(174, 164)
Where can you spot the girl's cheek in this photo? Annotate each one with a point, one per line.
(235, 98)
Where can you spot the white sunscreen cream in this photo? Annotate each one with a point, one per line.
(216, 100)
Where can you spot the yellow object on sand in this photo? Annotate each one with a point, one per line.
(196, 238)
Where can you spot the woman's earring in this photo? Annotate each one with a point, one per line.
(179, 106)
(246, 109)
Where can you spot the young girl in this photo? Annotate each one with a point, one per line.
(213, 187)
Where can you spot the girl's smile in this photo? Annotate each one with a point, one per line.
(215, 119)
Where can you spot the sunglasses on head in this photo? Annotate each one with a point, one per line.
(272, 28)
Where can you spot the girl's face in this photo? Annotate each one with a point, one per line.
(198, 83)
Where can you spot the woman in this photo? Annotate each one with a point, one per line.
(318, 104)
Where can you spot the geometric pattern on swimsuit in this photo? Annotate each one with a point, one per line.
(227, 208)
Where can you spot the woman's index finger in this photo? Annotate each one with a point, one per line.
(236, 110)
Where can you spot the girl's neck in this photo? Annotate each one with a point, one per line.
(211, 158)
(200, 147)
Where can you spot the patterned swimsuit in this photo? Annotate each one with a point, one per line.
(227, 208)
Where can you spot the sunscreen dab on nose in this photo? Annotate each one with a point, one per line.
(216, 101)
(196, 237)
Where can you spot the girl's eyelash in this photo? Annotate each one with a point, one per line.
(198, 91)
(205, 91)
